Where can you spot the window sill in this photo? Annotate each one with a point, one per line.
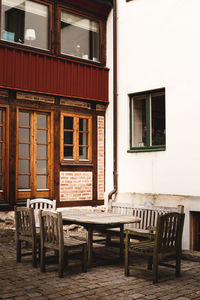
(147, 149)
(76, 164)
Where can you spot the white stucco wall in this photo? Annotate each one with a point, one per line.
(159, 46)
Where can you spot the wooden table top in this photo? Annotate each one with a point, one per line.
(99, 218)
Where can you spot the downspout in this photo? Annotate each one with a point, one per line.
(115, 110)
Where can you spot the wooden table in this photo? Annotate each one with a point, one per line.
(93, 221)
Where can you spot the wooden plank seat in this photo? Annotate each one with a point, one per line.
(167, 242)
(52, 237)
(25, 230)
(148, 215)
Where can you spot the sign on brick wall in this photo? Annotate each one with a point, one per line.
(100, 157)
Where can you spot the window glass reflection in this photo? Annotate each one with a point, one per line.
(25, 22)
(79, 36)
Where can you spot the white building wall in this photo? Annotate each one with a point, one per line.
(159, 46)
(109, 110)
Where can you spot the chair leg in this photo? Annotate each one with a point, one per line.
(61, 263)
(18, 250)
(56, 256)
(126, 265)
(108, 239)
(178, 264)
(155, 268)
(84, 258)
(34, 255)
(39, 251)
(150, 261)
(42, 259)
(66, 258)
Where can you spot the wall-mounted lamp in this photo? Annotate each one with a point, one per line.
(30, 35)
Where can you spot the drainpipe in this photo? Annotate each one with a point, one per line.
(115, 174)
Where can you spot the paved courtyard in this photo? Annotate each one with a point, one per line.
(105, 280)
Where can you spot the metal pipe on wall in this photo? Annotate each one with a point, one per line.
(115, 96)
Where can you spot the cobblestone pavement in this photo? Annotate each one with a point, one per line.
(102, 281)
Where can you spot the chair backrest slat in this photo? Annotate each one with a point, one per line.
(51, 228)
(169, 232)
(40, 204)
(24, 221)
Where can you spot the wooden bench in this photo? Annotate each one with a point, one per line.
(148, 215)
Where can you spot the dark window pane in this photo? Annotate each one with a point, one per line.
(83, 153)
(24, 166)
(139, 122)
(158, 119)
(23, 182)
(1, 133)
(68, 138)
(42, 167)
(68, 152)
(24, 151)
(83, 139)
(83, 124)
(42, 136)
(41, 151)
(68, 123)
(24, 135)
(1, 116)
(42, 121)
(24, 119)
(42, 182)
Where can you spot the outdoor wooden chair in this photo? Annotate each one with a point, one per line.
(38, 204)
(167, 242)
(25, 231)
(52, 237)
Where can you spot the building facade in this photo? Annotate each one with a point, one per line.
(53, 96)
(96, 99)
(158, 151)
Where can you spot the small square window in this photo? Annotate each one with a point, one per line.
(147, 111)
(76, 135)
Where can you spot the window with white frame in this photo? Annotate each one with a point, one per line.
(147, 120)
(25, 22)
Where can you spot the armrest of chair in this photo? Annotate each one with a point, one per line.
(152, 229)
(140, 233)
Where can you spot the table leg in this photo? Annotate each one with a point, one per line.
(121, 242)
(90, 241)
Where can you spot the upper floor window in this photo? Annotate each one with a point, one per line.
(76, 135)
(25, 22)
(147, 120)
(79, 36)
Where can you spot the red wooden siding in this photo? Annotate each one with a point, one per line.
(43, 73)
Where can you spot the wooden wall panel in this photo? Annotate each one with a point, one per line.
(42, 73)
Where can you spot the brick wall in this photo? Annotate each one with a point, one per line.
(100, 157)
(75, 186)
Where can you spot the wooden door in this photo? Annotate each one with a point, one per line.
(34, 154)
